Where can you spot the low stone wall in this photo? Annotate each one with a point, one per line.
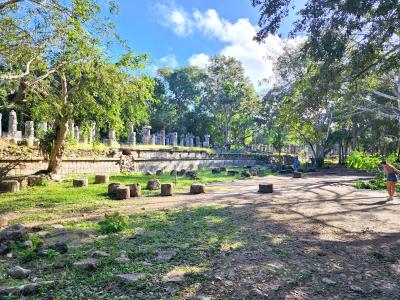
(132, 160)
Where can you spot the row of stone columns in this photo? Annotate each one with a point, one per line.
(73, 132)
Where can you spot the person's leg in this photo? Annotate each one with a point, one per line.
(393, 188)
(389, 188)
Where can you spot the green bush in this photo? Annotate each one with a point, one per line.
(358, 160)
(113, 223)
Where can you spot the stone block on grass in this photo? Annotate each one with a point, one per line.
(197, 189)
(9, 186)
(135, 190)
(166, 189)
(265, 188)
(153, 185)
(122, 192)
(112, 187)
(99, 179)
(80, 182)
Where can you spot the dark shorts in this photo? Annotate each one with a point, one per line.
(392, 177)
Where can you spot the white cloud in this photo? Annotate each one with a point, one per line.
(237, 37)
(199, 60)
(176, 18)
(169, 61)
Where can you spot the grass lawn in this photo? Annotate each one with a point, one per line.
(60, 200)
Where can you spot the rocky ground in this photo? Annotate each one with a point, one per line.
(314, 238)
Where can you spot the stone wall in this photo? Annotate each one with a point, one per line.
(132, 160)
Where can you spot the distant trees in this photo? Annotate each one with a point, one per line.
(219, 100)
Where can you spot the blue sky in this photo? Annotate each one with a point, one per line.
(181, 32)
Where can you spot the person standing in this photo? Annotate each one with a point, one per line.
(391, 178)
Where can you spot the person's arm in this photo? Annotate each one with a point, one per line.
(394, 169)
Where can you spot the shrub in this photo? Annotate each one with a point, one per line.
(113, 223)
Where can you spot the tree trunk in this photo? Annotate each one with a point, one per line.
(58, 146)
(320, 156)
(61, 130)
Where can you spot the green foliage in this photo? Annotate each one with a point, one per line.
(358, 160)
(113, 223)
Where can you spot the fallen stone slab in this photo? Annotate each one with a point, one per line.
(98, 254)
(122, 193)
(87, 264)
(166, 255)
(153, 184)
(80, 182)
(135, 190)
(100, 179)
(174, 276)
(122, 258)
(265, 188)
(166, 189)
(26, 289)
(129, 278)
(216, 171)
(9, 186)
(16, 232)
(197, 189)
(18, 272)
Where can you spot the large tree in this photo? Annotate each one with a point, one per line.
(55, 57)
(229, 96)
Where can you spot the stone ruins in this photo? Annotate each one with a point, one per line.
(90, 134)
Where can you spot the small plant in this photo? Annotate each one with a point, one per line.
(113, 223)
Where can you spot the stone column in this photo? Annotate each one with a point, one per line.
(187, 137)
(1, 131)
(153, 139)
(111, 135)
(206, 142)
(76, 133)
(29, 130)
(162, 137)
(92, 133)
(42, 126)
(174, 139)
(71, 129)
(198, 142)
(182, 140)
(146, 136)
(12, 124)
(132, 135)
(191, 142)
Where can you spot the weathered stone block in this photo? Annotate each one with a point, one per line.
(122, 192)
(232, 173)
(297, 174)
(153, 184)
(99, 179)
(246, 174)
(112, 187)
(166, 189)
(265, 188)
(9, 186)
(197, 189)
(135, 190)
(159, 172)
(80, 182)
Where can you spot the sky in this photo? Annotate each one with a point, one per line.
(187, 32)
